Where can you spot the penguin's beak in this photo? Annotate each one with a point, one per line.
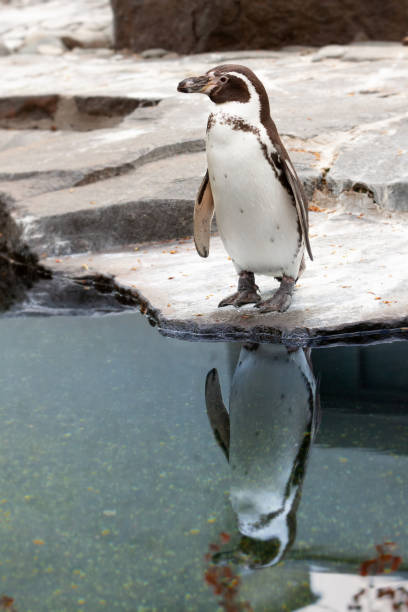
(198, 84)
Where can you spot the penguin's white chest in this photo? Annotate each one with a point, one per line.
(256, 216)
(270, 413)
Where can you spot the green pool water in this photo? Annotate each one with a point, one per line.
(113, 485)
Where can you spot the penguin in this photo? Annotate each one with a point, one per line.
(251, 186)
(266, 436)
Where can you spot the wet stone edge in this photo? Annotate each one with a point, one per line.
(373, 332)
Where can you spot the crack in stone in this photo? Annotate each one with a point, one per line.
(78, 178)
(156, 154)
(362, 188)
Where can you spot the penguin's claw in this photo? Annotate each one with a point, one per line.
(240, 298)
(228, 301)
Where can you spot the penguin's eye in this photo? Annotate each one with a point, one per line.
(224, 79)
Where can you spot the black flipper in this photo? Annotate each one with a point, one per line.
(217, 412)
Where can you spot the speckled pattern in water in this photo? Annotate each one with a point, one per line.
(113, 486)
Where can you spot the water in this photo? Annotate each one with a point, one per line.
(113, 484)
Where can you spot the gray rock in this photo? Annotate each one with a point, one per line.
(329, 52)
(50, 50)
(87, 39)
(155, 204)
(45, 45)
(372, 51)
(377, 164)
(153, 53)
(19, 268)
(104, 52)
(54, 18)
(132, 178)
(4, 50)
(191, 26)
(354, 267)
(358, 52)
(138, 206)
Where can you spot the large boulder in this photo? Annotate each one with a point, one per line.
(194, 26)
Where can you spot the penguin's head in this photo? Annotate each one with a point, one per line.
(227, 83)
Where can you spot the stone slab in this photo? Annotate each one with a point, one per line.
(343, 118)
(328, 92)
(321, 108)
(151, 204)
(19, 23)
(354, 291)
(377, 163)
(154, 202)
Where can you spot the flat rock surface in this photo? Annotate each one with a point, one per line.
(355, 284)
(102, 154)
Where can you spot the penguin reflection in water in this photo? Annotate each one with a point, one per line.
(266, 437)
(252, 186)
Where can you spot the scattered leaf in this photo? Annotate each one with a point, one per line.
(315, 208)
(6, 602)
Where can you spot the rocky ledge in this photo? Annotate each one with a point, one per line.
(100, 160)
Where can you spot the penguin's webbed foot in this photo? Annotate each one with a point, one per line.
(282, 298)
(247, 292)
(240, 298)
(278, 303)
